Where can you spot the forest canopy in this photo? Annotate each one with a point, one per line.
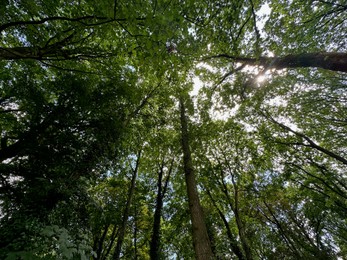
(171, 129)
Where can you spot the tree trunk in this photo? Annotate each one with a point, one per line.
(235, 208)
(335, 61)
(135, 232)
(117, 251)
(99, 244)
(155, 241)
(202, 246)
(240, 226)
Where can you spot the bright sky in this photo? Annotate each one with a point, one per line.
(262, 15)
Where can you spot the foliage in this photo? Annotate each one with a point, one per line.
(91, 156)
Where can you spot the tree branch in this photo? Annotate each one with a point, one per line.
(335, 61)
(311, 143)
(63, 18)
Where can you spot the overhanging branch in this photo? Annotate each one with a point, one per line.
(335, 61)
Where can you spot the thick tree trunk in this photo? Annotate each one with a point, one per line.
(117, 251)
(335, 61)
(202, 246)
(325, 60)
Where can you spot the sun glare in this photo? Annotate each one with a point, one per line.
(261, 78)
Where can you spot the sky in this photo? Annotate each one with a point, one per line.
(262, 15)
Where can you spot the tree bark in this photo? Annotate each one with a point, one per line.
(335, 61)
(202, 245)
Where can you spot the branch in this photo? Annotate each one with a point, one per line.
(63, 18)
(68, 69)
(241, 29)
(51, 52)
(257, 34)
(334, 189)
(330, 3)
(115, 9)
(227, 75)
(335, 61)
(312, 144)
(53, 18)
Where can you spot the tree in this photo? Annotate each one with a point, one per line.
(200, 237)
(85, 87)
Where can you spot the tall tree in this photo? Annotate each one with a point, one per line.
(83, 86)
(201, 240)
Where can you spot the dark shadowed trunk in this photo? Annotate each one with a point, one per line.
(155, 241)
(109, 246)
(99, 243)
(202, 245)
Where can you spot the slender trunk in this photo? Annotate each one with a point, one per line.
(100, 243)
(114, 235)
(202, 246)
(155, 241)
(135, 232)
(240, 226)
(122, 228)
(335, 61)
(233, 242)
(235, 208)
(282, 231)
